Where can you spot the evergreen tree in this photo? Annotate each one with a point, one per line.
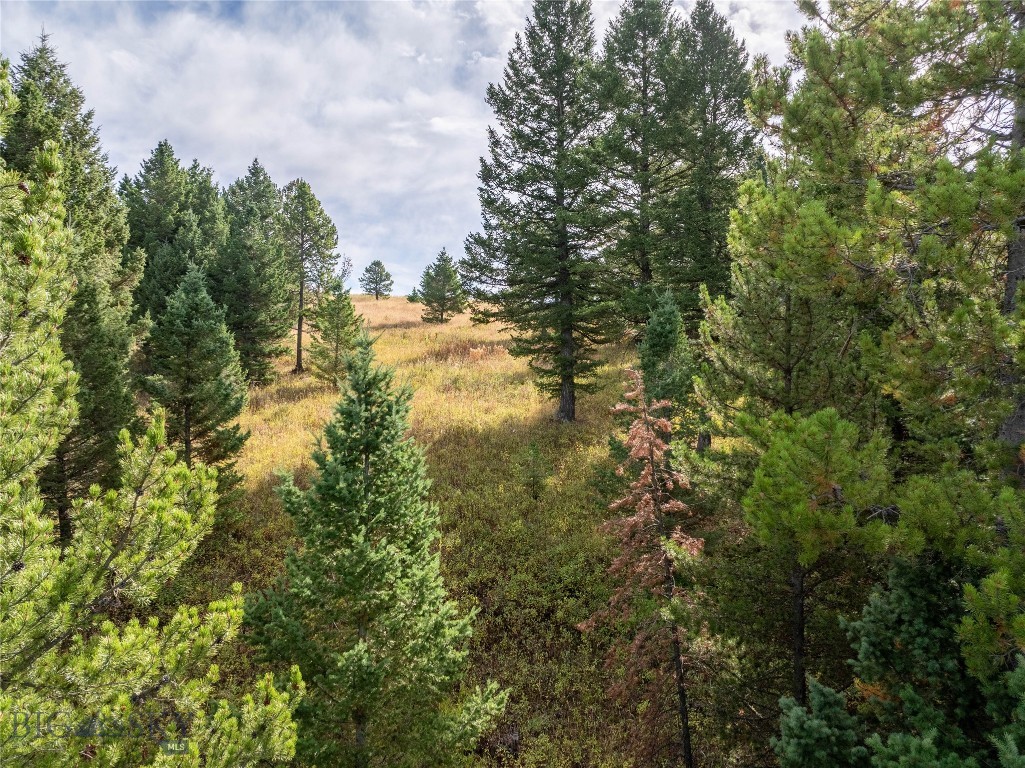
(363, 610)
(248, 277)
(717, 144)
(69, 657)
(310, 239)
(677, 142)
(822, 735)
(98, 341)
(440, 290)
(376, 280)
(913, 220)
(665, 359)
(176, 217)
(641, 149)
(650, 599)
(535, 267)
(197, 377)
(336, 327)
(808, 491)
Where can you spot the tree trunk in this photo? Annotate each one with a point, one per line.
(797, 630)
(60, 496)
(567, 399)
(1012, 431)
(187, 435)
(679, 675)
(704, 440)
(359, 717)
(299, 329)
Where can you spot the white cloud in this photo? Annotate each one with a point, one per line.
(379, 105)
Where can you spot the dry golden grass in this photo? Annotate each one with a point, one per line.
(520, 497)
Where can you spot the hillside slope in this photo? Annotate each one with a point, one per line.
(520, 497)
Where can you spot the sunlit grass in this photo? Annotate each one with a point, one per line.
(520, 497)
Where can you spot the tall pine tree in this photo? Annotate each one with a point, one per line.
(909, 111)
(642, 145)
(98, 336)
(310, 239)
(535, 267)
(441, 292)
(249, 278)
(717, 144)
(197, 377)
(363, 610)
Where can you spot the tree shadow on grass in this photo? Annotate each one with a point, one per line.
(290, 388)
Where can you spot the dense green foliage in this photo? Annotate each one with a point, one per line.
(801, 545)
(198, 379)
(78, 651)
(99, 341)
(336, 328)
(176, 217)
(376, 280)
(248, 278)
(534, 267)
(440, 291)
(676, 142)
(609, 179)
(363, 610)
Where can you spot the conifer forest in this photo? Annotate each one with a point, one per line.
(701, 446)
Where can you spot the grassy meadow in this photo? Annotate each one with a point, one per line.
(520, 497)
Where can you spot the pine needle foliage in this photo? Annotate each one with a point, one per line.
(535, 267)
(376, 280)
(98, 336)
(198, 379)
(248, 278)
(651, 533)
(441, 291)
(310, 239)
(362, 608)
(336, 328)
(77, 652)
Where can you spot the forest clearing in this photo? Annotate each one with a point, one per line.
(678, 420)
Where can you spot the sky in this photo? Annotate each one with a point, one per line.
(378, 104)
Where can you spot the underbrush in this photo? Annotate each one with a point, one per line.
(520, 496)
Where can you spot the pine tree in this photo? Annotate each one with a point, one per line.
(822, 735)
(440, 290)
(650, 597)
(363, 610)
(197, 377)
(809, 489)
(68, 660)
(310, 240)
(376, 280)
(336, 327)
(879, 131)
(176, 217)
(98, 341)
(665, 359)
(642, 146)
(716, 148)
(248, 277)
(535, 267)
